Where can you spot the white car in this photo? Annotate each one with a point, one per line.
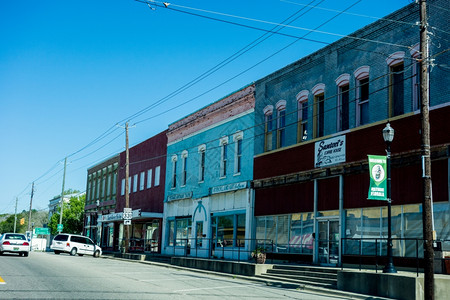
(14, 243)
(75, 244)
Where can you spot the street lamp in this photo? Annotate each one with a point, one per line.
(388, 136)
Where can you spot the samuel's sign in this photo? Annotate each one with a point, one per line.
(329, 152)
(229, 187)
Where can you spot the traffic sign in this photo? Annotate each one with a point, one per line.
(44, 231)
(60, 227)
(126, 222)
(127, 213)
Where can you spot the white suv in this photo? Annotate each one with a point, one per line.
(75, 244)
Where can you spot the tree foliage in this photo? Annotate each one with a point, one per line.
(38, 219)
(72, 219)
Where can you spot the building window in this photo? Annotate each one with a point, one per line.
(183, 231)
(362, 95)
(135, 183)
(268, 112)
(201, 165)
(343, 102)
(149, 178)
(129, 184)
(184, 157)
(104, 172)
(318, 110)
(99, 174)
(229, 230)
(157, 175)
(109, 184)
(396, 83)
(174, 171)
(302, 124)
(114, 184)
(415, 54)
(281, 123)
(237, 138)
(122, 188)
(142, 181)
(223, 156)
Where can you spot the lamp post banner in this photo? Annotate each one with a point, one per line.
(378, 182)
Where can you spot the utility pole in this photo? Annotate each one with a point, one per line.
(62, 195)
(31, 202)
(15, 216)
(127, 187)
(426, 159)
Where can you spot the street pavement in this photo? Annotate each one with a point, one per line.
(44, 275)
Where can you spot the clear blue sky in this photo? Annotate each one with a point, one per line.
(71, 70)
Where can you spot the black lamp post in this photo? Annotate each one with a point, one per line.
(388, 136)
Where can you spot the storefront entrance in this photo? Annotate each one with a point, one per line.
(328, 242)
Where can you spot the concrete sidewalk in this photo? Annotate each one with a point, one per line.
(147, 259)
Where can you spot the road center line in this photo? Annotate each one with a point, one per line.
(2, 281)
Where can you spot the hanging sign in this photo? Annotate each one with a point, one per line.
(329, 152)
(378, 182)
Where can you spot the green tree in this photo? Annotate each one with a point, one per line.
(72, 219)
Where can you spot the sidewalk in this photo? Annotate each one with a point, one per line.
(147, 259)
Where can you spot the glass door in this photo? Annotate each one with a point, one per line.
(328, 243)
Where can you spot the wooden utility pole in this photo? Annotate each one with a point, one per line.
(62, 194)
(426, 159)
(31, 204)
(127, 187)
(15, 216)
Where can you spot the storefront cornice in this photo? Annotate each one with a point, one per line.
(356, 167)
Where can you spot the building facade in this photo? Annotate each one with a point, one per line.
(208, 209)
(146, 195)
(101, 192)
(316, 121)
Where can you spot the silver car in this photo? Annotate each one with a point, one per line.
(14, 243)
(75, 244)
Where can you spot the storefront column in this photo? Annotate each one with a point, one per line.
(316, 238)
(341, 216)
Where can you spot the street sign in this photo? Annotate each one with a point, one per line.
(127, 213)
(60, 227)
(44, 231)
(126, 222)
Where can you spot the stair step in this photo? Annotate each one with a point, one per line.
(302, 273)
(307, 268)
(304, 278)
(298, 281)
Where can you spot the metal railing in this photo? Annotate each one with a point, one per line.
(228, 249)
(376, 248)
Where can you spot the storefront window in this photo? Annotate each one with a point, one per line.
(352, 231)
(183, 231)
(260, 228)
(229, 230)
(282, 244)
(240, 230)
(225, 231)
(371, 231)
(171, 232)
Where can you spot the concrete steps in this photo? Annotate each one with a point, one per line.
(305, 275)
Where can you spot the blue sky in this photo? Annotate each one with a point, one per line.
(71, 70)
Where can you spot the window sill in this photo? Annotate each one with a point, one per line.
(223, 177)
(237, 174)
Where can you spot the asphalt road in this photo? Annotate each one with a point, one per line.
(50, 276)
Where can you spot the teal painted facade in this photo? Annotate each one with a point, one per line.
(208, 209)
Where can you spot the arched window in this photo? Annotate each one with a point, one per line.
(318, 110)
(396, 83)
(302, 123)
(362, 95)
(184, 159)
(343, 103)
(268, 115)
(201, 162)
(281, 123)
(223, 156)
(174, 170)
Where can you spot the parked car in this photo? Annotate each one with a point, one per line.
(75, 244)
(14, 243)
